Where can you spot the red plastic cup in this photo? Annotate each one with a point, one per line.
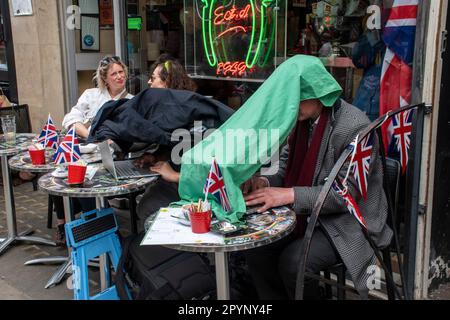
(76, 174)
(37, 156)
(200, 222)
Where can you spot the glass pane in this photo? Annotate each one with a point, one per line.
(154, 27)
(238, 39)
(3, 60)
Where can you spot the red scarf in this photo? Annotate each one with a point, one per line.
(302, 160)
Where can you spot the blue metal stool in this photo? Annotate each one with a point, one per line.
(91, 236)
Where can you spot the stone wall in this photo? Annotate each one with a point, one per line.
(37, 50)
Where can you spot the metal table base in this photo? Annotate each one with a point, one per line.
(13, 236)
(222, 276)
(58, 276)
(66, 266)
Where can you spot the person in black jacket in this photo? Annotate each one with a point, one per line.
(170, 74)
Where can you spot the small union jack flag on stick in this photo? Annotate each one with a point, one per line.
(401, 131)
(350, 202)
(68, 150)
(49, 136)
(215, 185)
(360, 162)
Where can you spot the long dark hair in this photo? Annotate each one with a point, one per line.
(173, 74)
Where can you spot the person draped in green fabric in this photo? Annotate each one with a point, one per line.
(320, 136)
(255, 132)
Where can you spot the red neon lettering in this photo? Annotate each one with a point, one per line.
(237, 68)
(233, 14)
(235, 29)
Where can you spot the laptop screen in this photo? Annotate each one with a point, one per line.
(107, 159)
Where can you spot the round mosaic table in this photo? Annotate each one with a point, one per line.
(280, 222)
(7, 149)
(101, 186)
(22, 161)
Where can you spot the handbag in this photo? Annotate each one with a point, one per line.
(4, 101)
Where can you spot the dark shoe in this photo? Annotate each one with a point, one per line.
(60, 236)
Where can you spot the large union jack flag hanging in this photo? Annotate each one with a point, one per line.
(401, 132)
(396, 76)
(68, 150)
(215, 185)
(360, 162)
(49, 136)
(351, 204)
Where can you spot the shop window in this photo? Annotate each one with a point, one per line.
(244, 41)
(239, 39)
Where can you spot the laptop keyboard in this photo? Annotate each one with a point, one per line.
(126, 169)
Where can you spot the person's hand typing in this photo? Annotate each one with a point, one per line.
(166, 172)
(270, 198)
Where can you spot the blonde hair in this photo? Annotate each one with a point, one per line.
(102, 71)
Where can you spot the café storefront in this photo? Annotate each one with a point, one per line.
(231, 47)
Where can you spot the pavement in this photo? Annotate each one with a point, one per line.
(20, 282)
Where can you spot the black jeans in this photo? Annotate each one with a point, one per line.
(157, 196)
(274, 267)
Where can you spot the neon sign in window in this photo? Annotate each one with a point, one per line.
(237, 36)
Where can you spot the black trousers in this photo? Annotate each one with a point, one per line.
(274, 267)
(157, 196)
(78, 205)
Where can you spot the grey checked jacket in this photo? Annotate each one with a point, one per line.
(343, 229)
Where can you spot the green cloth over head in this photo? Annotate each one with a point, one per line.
(255, 132)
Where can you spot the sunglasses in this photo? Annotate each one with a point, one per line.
(109, 60)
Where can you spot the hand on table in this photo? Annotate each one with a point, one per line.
(270, 198)
(166, 172)
(255, 183)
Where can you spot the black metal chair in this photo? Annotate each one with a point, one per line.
(23, 124)
(391, 179)
(21, 112)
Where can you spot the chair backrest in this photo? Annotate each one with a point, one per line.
(21, 112)
(392, 183)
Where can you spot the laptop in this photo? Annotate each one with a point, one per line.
(122, 170)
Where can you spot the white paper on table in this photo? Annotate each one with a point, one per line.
(167, 230)
(91, 171)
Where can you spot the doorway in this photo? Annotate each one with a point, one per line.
(153, 28)
(8, 82)
(440, 236)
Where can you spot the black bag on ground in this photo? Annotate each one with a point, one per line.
(159, 273)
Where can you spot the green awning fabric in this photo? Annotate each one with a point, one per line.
(254, 133)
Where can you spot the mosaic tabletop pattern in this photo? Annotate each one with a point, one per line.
(102, 185)
(22, 161)
(23, 141)
(260, 230)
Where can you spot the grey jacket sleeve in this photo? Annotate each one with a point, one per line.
(305, 197)
(277, 180)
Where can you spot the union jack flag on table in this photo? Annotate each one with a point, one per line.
(401, 132)
(360, 162)
(68, 150)
(49, 136)
(215, 185)
(350, 202)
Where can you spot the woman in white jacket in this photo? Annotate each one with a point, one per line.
(110, 78)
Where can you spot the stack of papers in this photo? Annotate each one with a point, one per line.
(167, 230)
(91, 171)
